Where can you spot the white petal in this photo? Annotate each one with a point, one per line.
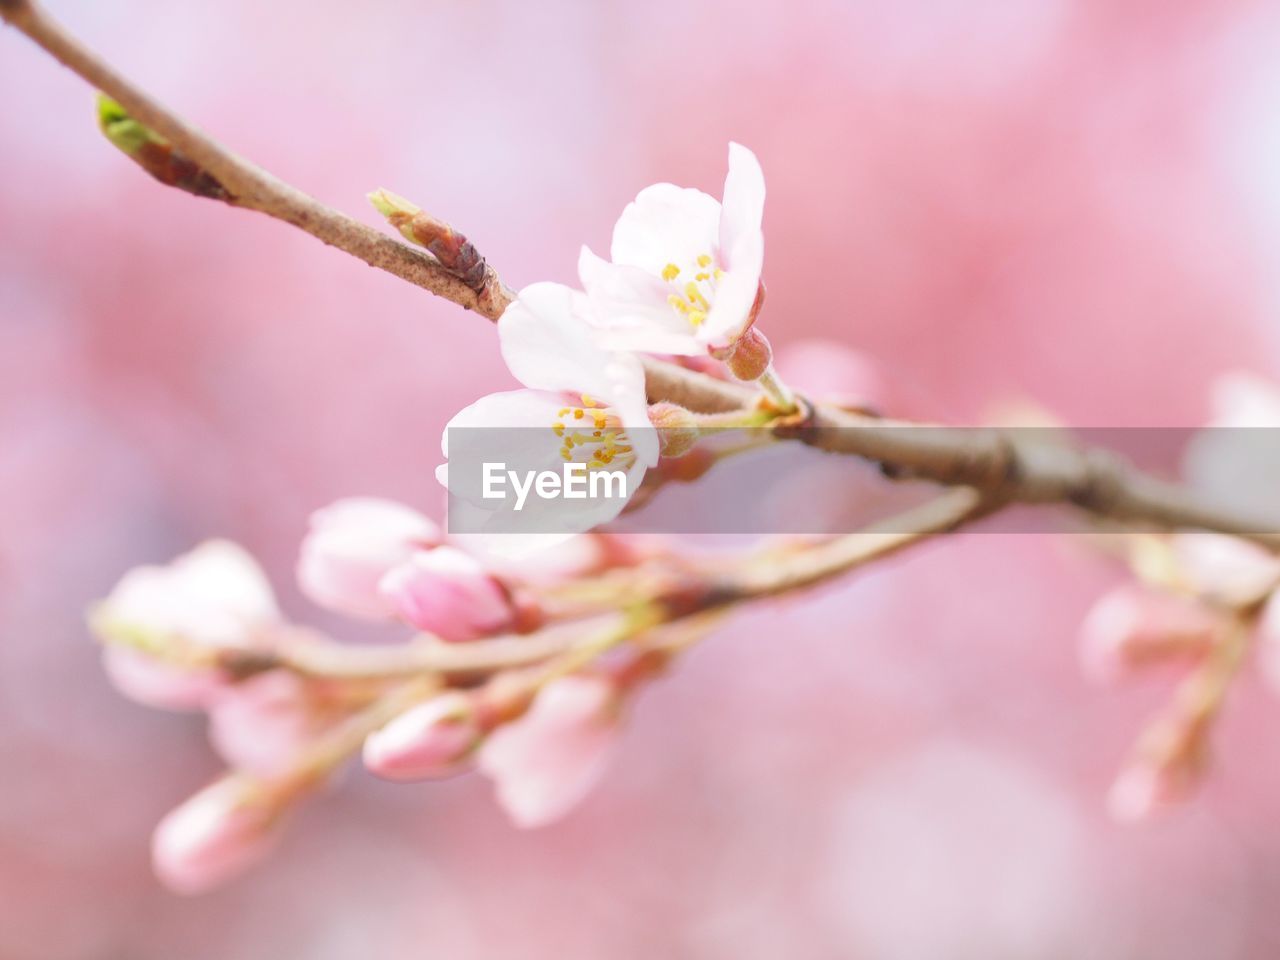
(735, 295)
(547, 342)
(666, 224)
(630, 309)
(743, 211)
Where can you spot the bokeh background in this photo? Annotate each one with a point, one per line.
(1074, 203)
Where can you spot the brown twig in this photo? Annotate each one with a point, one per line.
(250, 185)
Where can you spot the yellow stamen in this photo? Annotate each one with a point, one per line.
(695, 296)
(704, 260)
(697, 318)
(670, 272)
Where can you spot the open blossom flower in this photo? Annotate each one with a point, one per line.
(449, 593)
(686, 269)
(350, 547)
(215, 596)
(221, 831)
(545, 762)
(583, 405)
(429, 740)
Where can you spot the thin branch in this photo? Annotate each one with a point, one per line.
(249, 186)
(998, 463)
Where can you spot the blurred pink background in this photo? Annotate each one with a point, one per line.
(1073, 203)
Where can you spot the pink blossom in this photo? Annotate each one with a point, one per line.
(216, 834)
(1227, 568)
(429, 740)
(583, 404)
(351, 545)
(686, 268)
(215, 596)
(448, 593)
(154, 683)
(1144, 788)
(260, 724)
(546, 761)
(1131, 625)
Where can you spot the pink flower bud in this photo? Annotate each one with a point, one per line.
(546, 761)
(216, 596)
(677, 428)
(749, 356)
(163, 686)
(350, 547)
(219, 832)
(1227, 568)
(1142, 790)
(448, 593)
(1132, 626)
(260, 724)
(429, 740)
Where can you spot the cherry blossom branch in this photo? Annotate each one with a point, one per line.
(762, 574)
(246, 184)
(1002, 465)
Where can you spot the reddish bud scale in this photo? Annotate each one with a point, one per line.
(174, 170)
(454, 251)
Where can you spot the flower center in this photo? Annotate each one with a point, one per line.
(593, 435)
(694, 297)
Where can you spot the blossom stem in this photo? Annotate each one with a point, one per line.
(735, 420)
(779, 393)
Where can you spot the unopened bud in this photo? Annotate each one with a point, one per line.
(448, 593)
(677, 428)
(398, 211)
(351, 545)
(219, 832)
(429, 740)
(155, 154)
(750, 355)
(1131, 626)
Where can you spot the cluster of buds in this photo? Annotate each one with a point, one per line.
(1200, 601)
(287, 706)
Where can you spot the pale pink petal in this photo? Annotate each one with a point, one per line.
(544, 763)
(1131, 626)
(548, 344)
(1225, 567)
(1242, 399)
(153, 683)
(260, 724)
(351, 545)
(215, 835)
(215, 595)
(429, 740)
(743, 208)
(631, 310)
(666, 224)
(448, 593)
(735, 295)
